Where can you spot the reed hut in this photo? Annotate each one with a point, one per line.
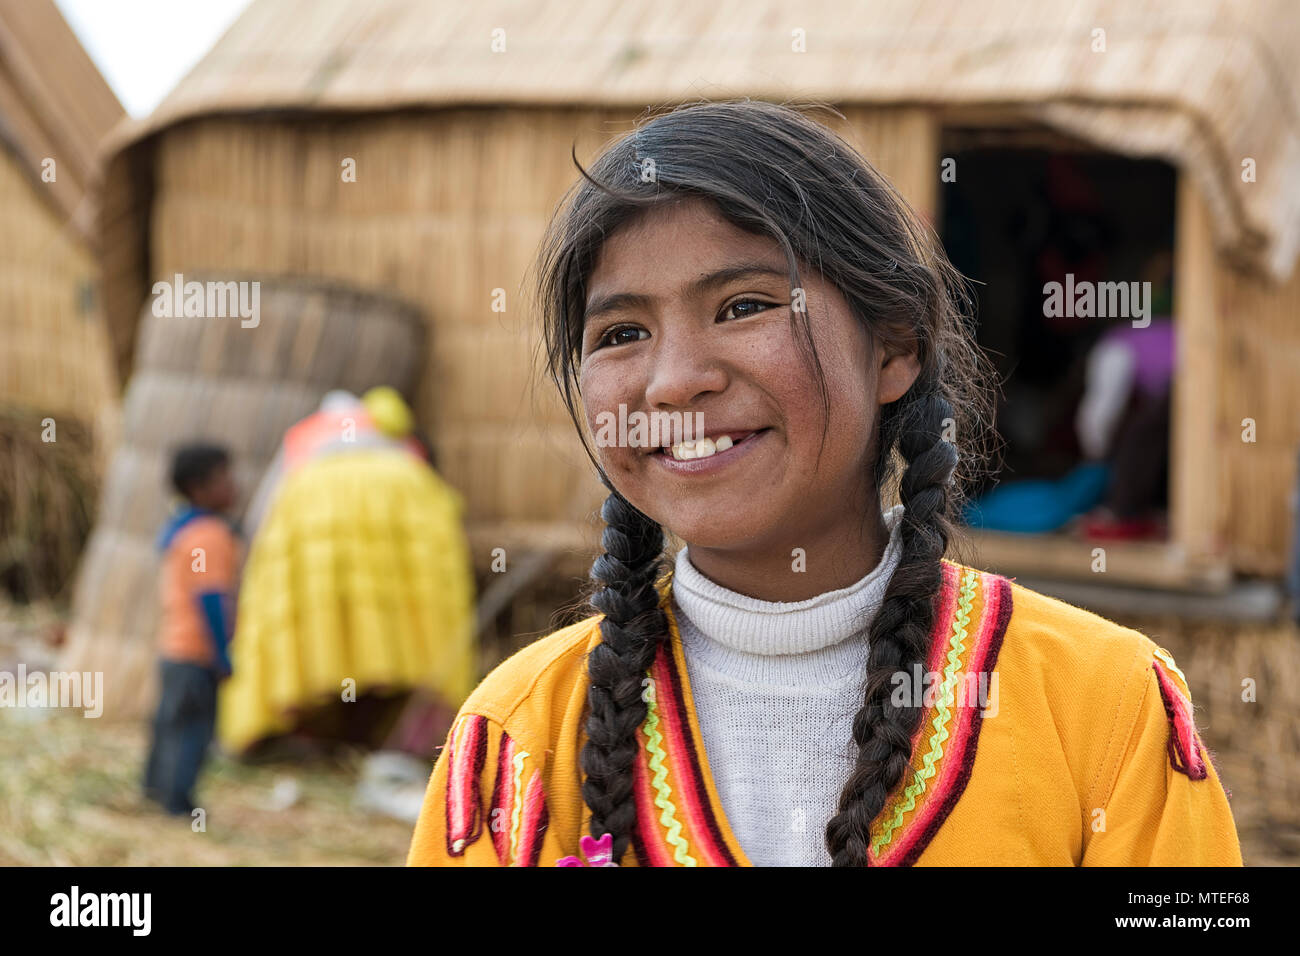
(419, 148)
(58, 385)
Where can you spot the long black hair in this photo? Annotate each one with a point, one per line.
(771, 170)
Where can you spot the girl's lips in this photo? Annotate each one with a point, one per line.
(714, 462)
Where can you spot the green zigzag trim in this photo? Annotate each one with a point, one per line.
(517, 810)
(1161, 653)
(942, 714)
(663, 792)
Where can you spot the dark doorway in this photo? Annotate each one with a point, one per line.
(1015, 219)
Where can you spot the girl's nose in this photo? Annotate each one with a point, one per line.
(683, 369)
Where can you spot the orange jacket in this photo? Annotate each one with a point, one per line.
(1083, 751)
(202, 557)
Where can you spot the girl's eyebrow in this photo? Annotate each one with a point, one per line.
(693, 290)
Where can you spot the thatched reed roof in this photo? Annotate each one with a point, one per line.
(53, 103)
(1204, 85)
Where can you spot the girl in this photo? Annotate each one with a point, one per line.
(812, 682)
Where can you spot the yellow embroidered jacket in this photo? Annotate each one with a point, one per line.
(1082, 750)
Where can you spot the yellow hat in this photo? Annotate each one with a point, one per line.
(391, 414)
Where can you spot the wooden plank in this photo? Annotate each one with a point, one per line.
(1131, 563)
(1256, 602)
(1196, 500)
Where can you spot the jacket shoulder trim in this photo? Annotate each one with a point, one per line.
(466, 753)
(1187, 752)
(516, 813)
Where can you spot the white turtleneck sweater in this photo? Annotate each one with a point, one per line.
(776, 686)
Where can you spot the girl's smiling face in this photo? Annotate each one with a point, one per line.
(688, 313)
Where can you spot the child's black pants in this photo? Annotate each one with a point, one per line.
(182, 732)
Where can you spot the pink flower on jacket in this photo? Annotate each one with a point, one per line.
(598, 852)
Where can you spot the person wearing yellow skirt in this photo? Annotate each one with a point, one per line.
(358, 590)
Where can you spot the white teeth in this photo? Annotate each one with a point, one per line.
(689, 450)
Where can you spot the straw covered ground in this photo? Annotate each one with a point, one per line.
(70, 794)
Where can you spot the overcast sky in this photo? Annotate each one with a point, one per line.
(144, 47)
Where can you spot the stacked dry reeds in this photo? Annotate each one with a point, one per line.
(47, 496)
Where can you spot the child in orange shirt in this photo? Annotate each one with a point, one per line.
(199, 574)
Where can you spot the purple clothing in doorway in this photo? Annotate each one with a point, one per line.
(1153, 353)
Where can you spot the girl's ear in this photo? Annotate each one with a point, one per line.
(897, 373)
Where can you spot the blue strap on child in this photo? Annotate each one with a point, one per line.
(214, 611)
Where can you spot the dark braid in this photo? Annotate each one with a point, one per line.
(633, 627)
(900, 633)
